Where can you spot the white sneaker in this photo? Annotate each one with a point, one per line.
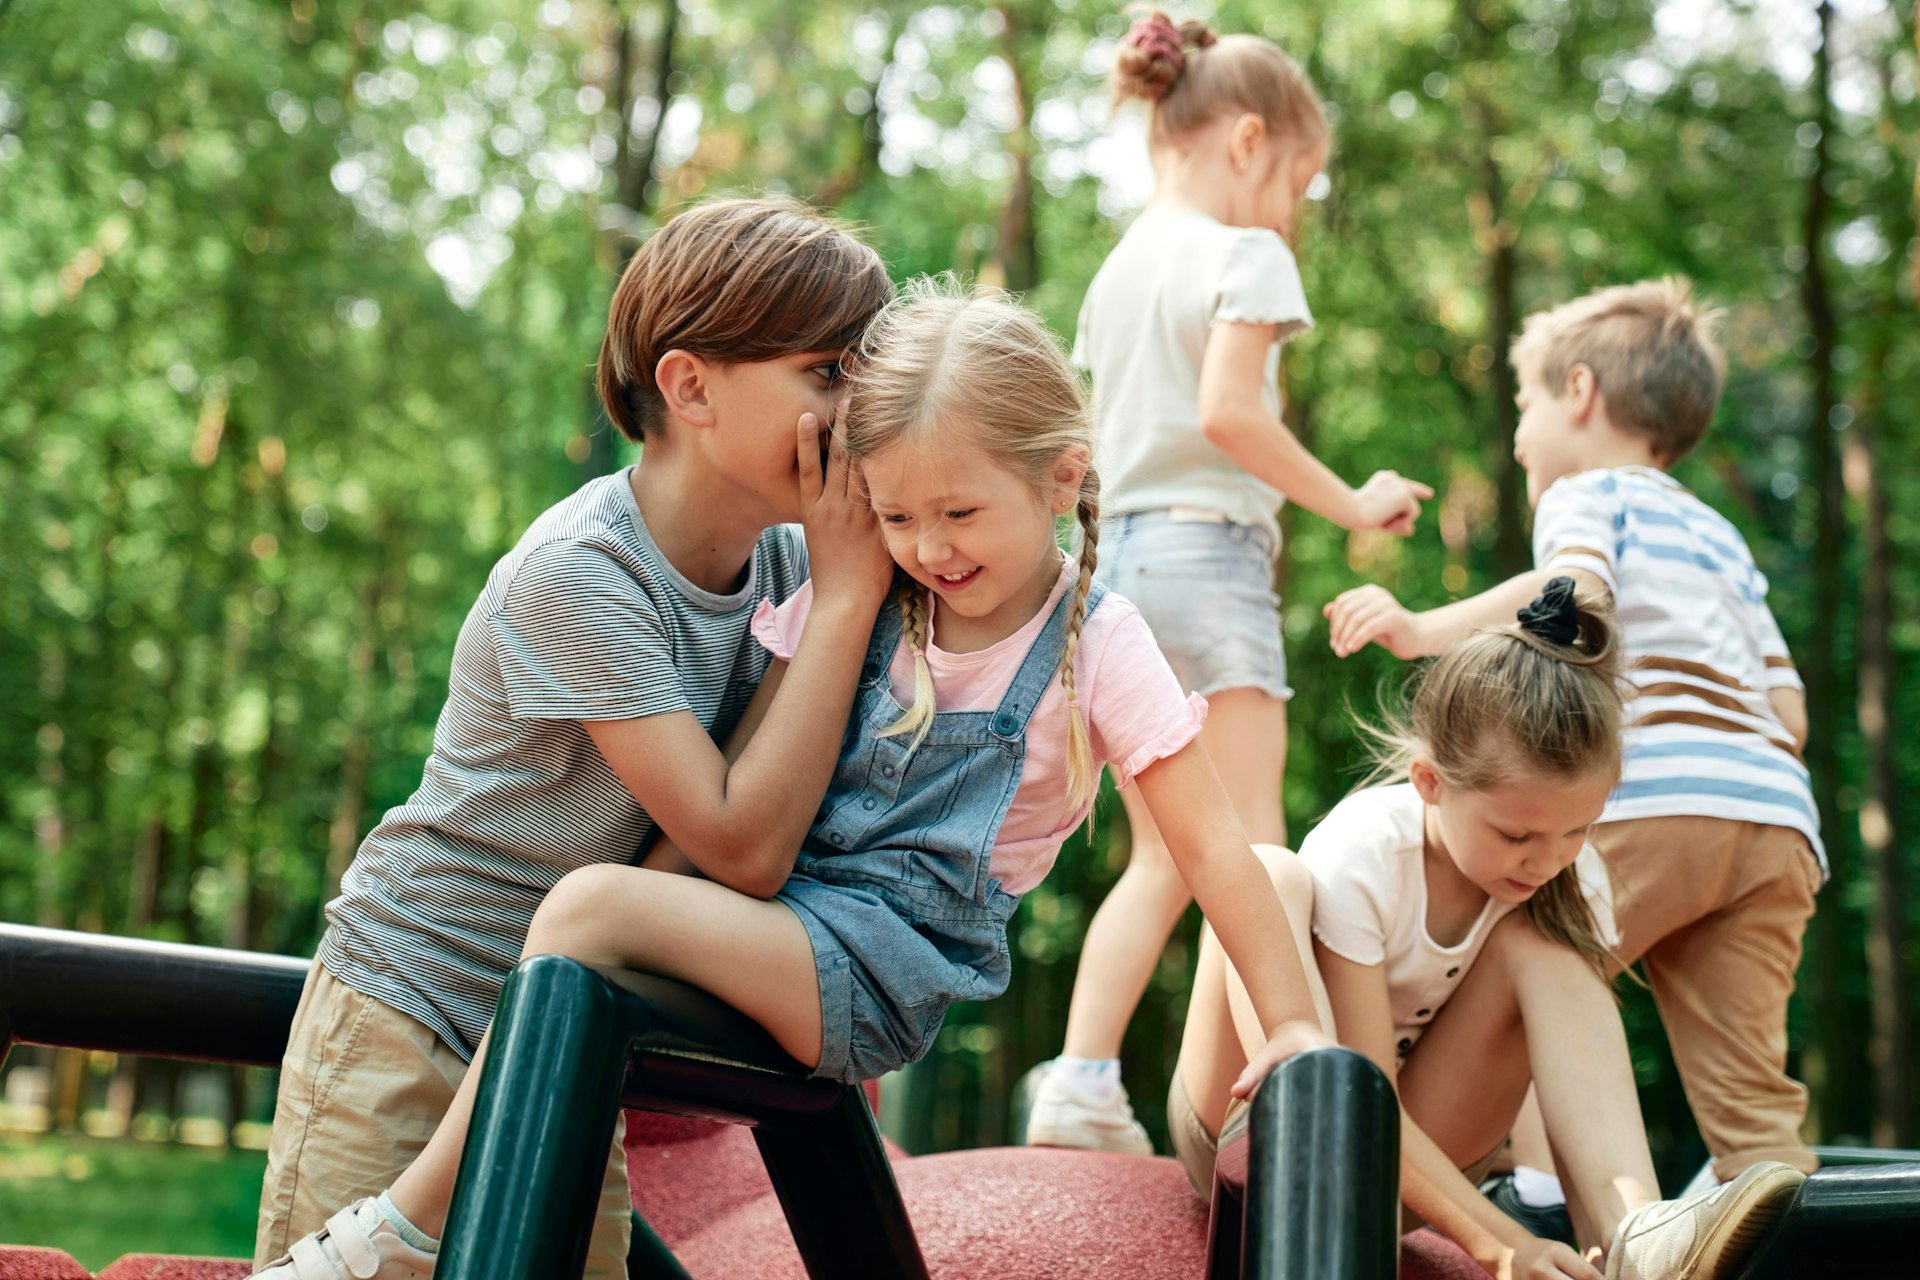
(358, 1243)
(1706, 1234)
(1063, 1115)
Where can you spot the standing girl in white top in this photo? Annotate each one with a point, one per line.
(1182, 329)
(1462, 926)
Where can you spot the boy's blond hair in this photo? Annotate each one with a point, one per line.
(1652, 353)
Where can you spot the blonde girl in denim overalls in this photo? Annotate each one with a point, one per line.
(1000, 679)
(1181, 329)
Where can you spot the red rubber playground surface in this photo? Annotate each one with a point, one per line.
(994, 1214)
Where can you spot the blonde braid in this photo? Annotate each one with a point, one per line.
(1083, 777)
(913, 625)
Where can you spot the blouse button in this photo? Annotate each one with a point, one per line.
(1406, 1046)
(1422, 1013)
(1454, 972)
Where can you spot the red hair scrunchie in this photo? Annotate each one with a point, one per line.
(1158, 38)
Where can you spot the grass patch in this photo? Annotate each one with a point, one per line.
(100, 1199)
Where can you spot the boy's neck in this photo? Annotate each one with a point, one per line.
(697, 520)
(1608, 446)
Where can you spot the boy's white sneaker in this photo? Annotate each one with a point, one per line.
(358, 1243)
(1706, 1234)
(1064, 1115)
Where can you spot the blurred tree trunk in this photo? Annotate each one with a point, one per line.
(343, 832)
(1866, 456)
(1891, 1048)
(1016, 250)
(633, 171)
(1843, 1098)
(865, 166)
(1495, 233)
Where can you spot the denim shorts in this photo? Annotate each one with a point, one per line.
(1205, 588)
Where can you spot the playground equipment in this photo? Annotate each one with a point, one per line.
(1310, 1194)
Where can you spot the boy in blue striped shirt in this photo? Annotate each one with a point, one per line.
(1712, 836)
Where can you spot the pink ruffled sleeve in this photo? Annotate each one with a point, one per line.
(778, 628)
(1136, 711)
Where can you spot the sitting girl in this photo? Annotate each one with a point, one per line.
(997, 684)
(1462, 927)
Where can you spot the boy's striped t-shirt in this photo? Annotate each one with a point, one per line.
(583, 620)
(1702, 650)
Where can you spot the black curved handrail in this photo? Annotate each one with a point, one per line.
(127, 995)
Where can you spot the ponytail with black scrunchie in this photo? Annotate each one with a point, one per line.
(1553, 616)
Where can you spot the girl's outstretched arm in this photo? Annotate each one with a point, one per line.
(1192, 811)
(1431, 1184)
(741, 821)
(1232, 373)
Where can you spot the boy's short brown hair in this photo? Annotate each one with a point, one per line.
(734, 281)
(1652, 353)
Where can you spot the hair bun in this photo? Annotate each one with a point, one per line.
(1153, 54)
(1554, 615)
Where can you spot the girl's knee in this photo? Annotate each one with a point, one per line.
(572, 907)
(1291, 879)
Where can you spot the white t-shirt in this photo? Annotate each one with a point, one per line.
(1368, 859)
(1143, 330)
(1703, 650)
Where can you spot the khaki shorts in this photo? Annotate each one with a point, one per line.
(1715, 910)
(362, 1088)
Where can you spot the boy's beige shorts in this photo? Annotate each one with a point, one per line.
(361, 1090)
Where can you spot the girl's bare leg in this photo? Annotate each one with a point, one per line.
(753, 954)
(1222, 1031)
(1246, 737)
(1533, 1009)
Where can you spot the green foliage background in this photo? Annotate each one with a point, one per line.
(298, 302)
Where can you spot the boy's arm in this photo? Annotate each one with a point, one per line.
(1430, 1183)
(665, 853)
(741, 820)
(1234, 421)
(1370, 614)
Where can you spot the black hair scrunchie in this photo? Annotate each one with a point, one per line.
(1553, 615)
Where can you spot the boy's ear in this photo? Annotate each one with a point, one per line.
(685, 383)
(1425, 779)
(1582, 393)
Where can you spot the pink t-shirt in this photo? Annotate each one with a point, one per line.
(1135, 711)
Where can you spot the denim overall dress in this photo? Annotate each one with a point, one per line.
(891, 882)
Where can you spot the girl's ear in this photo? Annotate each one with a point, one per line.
(1244, 139)
(1069, 473)
(685, 381)
(1425, 779)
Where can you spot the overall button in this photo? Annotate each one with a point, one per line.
(886, 770)
(836, 838)
(868, 803)
(1004, 725)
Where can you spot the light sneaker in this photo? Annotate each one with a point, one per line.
(1065, 1116)
(358, 1243)
(1706, 1234)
